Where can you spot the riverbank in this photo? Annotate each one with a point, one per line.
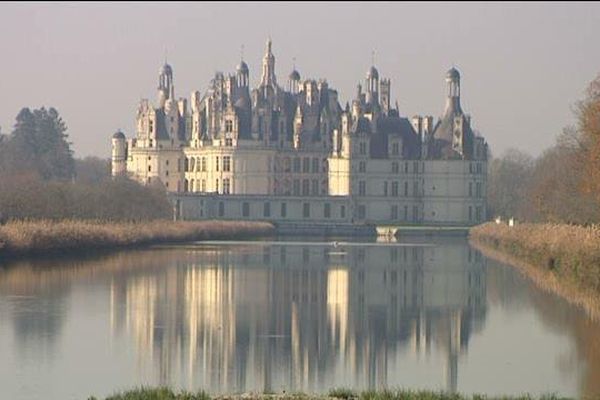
(40, 237)
(564, 259)
(339, 394)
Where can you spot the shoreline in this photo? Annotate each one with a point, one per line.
(40, 238)
(559, 259)
(334, 394)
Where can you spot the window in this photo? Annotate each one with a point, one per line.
(394, 212)
(217, 185)
(395, 168)
(296, 189)
(217, 163)
(226, 188)
(203, 164)
(395, 149)
(478, 190)
(315, 187)
(362, 211)
(395, 189)
(342, 211)
(149, 168)
(415, 188)
(151, 127)
(151, 143)
(327, 210)
(297, 164)
(267, 209)
(186, 165)
(306, 164)
(228, 142)
(305, 187)
(245, 209)
(406, 167)
(478, 214)
(226, 164)
(406, 213)
(283, 210)
(228, 126)
(385, 188)
(362, 166)
(471, 168)
(203, 186)
(315, 165)
(198, 164)
(405, 188)
(415, 167)
(362, 188)
(362, 148)
(192, 164)
(306, 210)
(470, 213)
(221, 209)
(470, 189)
(415, 213)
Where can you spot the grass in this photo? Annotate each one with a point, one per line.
(30, 237)
(338, 393)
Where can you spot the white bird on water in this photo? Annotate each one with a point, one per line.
(335, 244)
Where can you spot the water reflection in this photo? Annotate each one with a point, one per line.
(294, 316)
(300, 317)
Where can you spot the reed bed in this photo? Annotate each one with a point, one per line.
(569, 253)
(29, 237)
(336, 394)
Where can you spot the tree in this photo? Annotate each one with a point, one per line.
(38, 143)
(508, 180)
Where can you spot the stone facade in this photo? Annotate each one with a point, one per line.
(236, 145)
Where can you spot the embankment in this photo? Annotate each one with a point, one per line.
(42, 237)
(564, 259)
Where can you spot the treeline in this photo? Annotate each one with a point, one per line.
(563, 183)
(40, 178)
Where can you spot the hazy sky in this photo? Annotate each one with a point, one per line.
(523, 65)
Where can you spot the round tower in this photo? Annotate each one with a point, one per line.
(294, 82)
(119, 154)
(242, 74)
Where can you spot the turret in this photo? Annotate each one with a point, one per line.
(268, 67)
(372, 85)
(294, 82)
(166, 89)
(119, 154)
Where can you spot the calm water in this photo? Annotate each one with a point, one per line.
(269, 316)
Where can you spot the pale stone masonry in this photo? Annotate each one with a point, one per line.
(241, 153)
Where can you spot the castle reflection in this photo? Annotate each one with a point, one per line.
(267, 317)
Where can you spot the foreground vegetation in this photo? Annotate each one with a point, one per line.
(570, 253)
(29, 237)
(346, 394)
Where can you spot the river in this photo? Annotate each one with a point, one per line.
(288, 314)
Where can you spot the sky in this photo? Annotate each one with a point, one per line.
(523, 65)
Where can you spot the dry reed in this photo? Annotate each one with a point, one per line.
(567, 257)
(21, 237)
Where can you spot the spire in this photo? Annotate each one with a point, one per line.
(453, 99)
(268, 67)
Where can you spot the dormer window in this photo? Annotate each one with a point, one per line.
(228, 126)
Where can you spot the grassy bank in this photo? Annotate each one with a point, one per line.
(345, 394)
(31, 237)
(564, 259)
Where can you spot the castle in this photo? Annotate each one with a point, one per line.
(294, 153)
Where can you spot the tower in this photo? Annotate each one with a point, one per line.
(166, 89)
(268, 67)
(294, 82)
(372, 85)
(385, 95)
(119, 154)
(242, 74)
(453, 99)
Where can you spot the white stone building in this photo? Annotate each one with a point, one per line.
(295, 154)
